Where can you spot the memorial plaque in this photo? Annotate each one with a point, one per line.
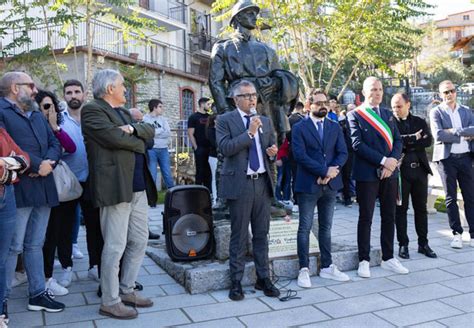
(282, 239)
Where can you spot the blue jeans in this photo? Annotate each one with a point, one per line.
(283, 185)
(30, 231)
(325, 200)
(7, 227)
(160, 156)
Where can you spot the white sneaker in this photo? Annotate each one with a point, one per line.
(66, 277)
(394, 265)
(332, 272)
(364, 269)
(19, 279)
(93, 273)
(3, 321)
(76, 252)
(457, 241)
(295, 209)
(56, 288)
(303, 278)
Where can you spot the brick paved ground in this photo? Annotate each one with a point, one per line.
(436, 293)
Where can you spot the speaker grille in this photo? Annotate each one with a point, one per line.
(190, 233)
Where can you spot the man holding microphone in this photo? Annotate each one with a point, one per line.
(247, 143)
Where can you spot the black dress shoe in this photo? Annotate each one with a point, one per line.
(152, 235)
(403, 252)
(236, 293)
(138, 286)
(267, 286)
(427, 251)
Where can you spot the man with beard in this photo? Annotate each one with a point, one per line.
(320, 151)
(74, 96)
(36, 193)
(377, 149)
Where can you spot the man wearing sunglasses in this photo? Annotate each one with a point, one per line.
(452, 126)
(36, 192)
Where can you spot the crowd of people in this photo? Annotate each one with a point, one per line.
(367, 151)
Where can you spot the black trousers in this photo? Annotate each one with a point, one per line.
(203, 170)
(346, 176)
(253, 207)
(91, 214)
(367, 192)
(59, 235)
(454, 171)
(414, 184)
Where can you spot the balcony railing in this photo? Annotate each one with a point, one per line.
(109, 40)
(170, 9)
(201, 41)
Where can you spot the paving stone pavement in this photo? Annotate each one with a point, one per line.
(436, 293)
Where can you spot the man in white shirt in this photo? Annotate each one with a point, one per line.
(452, 126)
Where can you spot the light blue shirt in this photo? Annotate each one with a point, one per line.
(77, 161)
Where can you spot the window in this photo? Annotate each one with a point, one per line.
(187, 103)
(458, 34)
(144, 4)
(465, 17)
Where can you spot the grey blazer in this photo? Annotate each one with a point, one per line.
(234, 143)
(440, 120)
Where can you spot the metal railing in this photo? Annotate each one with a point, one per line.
(201, 41)
(110, 40)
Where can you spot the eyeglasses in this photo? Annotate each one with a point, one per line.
(248, 96)
(30, 84)
(47, 106)
(321, 103)
(447, 92)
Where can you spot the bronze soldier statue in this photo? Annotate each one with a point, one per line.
(244, 57)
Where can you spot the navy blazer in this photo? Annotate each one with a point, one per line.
(313, 157)
(34, 136)
(370, 147)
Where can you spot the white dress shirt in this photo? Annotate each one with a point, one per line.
(463, 146)
(261, 168)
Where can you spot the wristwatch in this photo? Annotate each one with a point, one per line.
(251, 135)
(130, 127)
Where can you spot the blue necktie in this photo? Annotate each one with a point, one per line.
(254, 163)
(320, 130)
(376, 110)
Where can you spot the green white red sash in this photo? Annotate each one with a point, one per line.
(371, 117)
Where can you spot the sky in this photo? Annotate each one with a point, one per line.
(447, 7)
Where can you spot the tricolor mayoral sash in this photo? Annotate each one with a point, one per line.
(374, 120)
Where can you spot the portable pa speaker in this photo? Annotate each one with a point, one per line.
(187, 223)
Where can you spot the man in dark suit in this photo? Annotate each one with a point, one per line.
(452, 126)
(320, 151)
(247, 143)
(414, 172)
(377, 149)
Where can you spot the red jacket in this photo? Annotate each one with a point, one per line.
(9, 148)
(284, 149)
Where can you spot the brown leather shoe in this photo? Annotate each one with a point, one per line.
(118, 311)
(133, 299)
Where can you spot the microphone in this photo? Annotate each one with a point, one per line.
(253, 111)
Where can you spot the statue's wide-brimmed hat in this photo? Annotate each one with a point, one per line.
(241, 6)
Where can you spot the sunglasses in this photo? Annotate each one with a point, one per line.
(447, 92)
(248, 96)
(30, 84)
(47, 106)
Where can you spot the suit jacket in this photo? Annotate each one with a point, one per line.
(35, 137)
(111, 154)
(313, 155)
(370, 147)
(440, 120)
(233, 143)
(414, 149)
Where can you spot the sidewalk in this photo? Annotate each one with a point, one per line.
(436, 292)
